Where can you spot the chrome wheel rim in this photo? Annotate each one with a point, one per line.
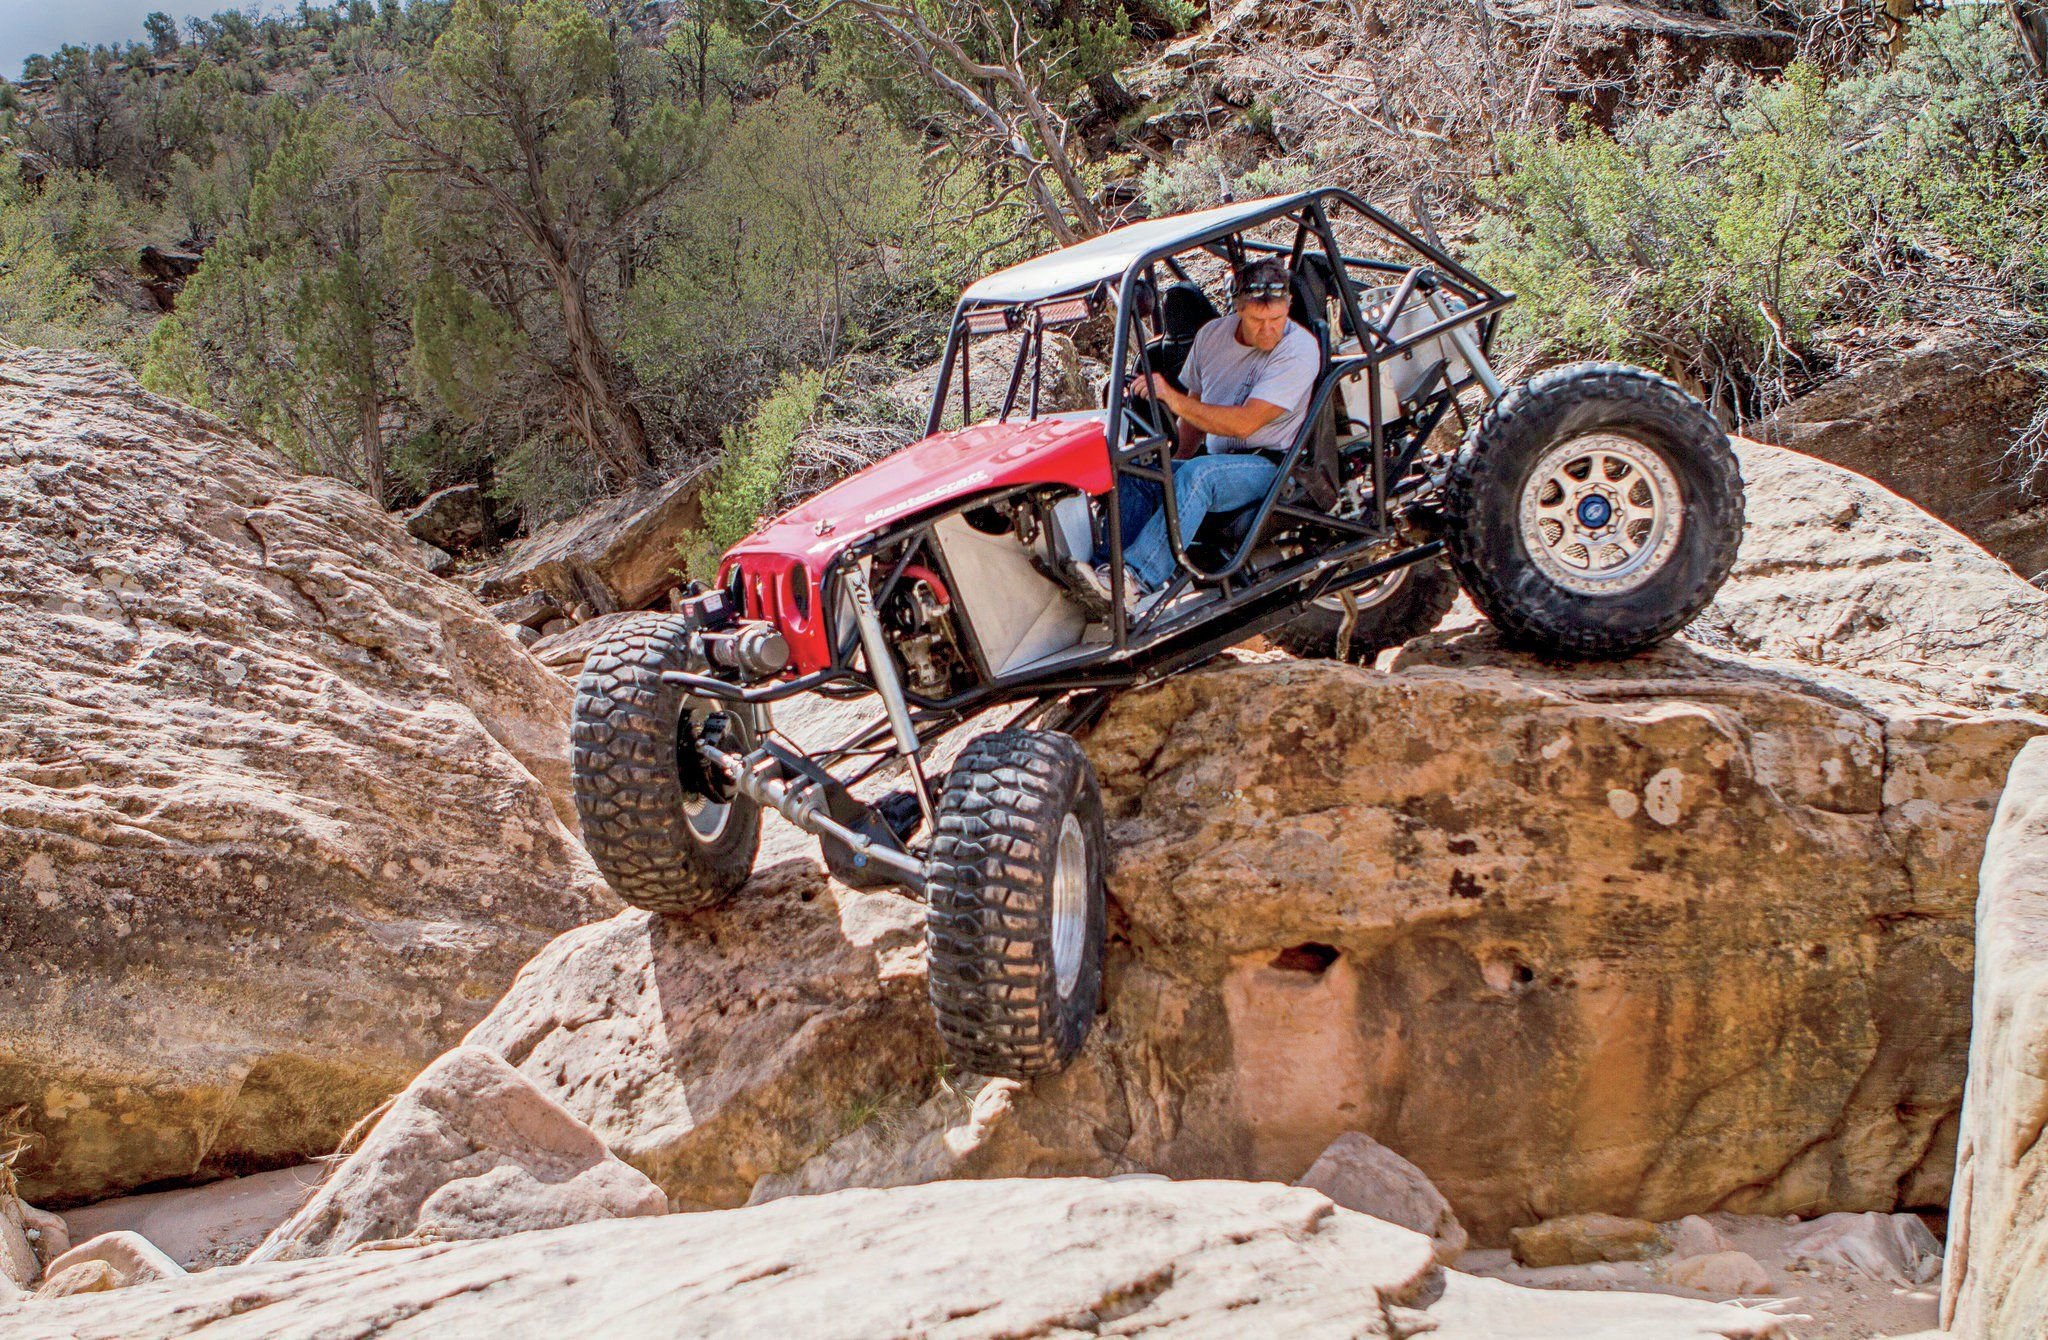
(706, 817)
(1367, 594)
(1069, 906)
(1601, 514)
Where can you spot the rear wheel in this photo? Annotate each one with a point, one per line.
(665, 830)
(1404, 603)
(1016, 886)
(1596, 510)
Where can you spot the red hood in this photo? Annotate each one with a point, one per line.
(942, 468)
(785, 558)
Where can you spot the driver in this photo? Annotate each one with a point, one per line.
(1248, 380)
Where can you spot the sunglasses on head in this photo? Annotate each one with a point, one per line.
(1263, 290)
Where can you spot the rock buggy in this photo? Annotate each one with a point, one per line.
(1590, 512)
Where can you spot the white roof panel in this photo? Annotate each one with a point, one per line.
(1109, 255)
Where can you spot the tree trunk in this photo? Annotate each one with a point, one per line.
(2030, 17)
(613, 425)
(370, 414)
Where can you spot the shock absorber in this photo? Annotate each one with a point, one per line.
(882, 667)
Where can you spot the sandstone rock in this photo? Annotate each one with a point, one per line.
(1695, 1235)
(202, 1227)
(1996, 1280)
(1486, 1309)
(1360, 1173)
(1613, 38)
(531, 609)
(1573, 939)
(964, 1261)
(437, 561)
(563, 652)
(713, 1051)
(554, 628)
(47, 1233)
(1068, 385)
(1933, 423)
(619, 555)
(520, 633)
(19, 1265)
(1725, 1274)
(451, 519)
(124, 1259)
(1840, 573)
(470, 1150)
(1895, 1248)
(85, 1277)
(1576, 1239)
(279, 812)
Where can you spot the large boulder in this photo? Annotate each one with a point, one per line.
(1839, 573)
(1688, 932)
(280, 813)
(1682, 933)
(1996, 1282)
(964, 1261)
(713, 1051)
(621, 554)
(453, 519)
(470, 1150)
(1935, 422)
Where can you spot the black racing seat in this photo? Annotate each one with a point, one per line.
(1183, 310)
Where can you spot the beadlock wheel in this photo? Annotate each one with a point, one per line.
(1594, 511)
(1602, 513)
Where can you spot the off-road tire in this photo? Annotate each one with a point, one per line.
(995, 987)
(1423, 594)
(628, 771)
(1491, 555)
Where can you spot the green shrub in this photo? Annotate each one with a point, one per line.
(1715, 240)
(751, 472)
(1704, 241)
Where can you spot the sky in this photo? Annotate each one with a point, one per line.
(31, 26)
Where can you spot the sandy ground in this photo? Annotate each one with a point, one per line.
(1833, 1305)
(203, 1226)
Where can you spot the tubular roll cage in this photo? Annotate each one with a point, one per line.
(1162, 642)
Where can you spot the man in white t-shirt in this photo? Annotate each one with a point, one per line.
(1248, 377)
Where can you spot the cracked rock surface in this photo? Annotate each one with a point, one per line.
(280, 813)
(1688, 933)
(961, 1261)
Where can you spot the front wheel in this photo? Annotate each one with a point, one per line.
(666, 831)
(1595, 512)
(1016, 886)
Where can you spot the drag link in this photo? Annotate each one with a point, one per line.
(801, 806)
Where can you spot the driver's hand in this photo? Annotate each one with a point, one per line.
(1150, 385)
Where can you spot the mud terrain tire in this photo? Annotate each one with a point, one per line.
(1415, 600)
(1015, 926)
(660, 842)
(1521, 489)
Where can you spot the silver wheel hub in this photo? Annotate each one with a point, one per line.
(1069, 906)
(707, 817)
(1601, 514)
(1367, 594)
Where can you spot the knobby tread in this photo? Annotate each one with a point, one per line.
(1424, 597)
(994, 990)
(627, 784)
(1489, 556)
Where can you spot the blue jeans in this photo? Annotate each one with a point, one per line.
(1203, 485)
